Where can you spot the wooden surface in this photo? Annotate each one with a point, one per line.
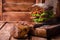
(12, 12)
(0, 10)
(16, 16)
(9, 9)
(7, 30)
(18, 5)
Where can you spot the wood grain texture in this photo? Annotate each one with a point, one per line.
(0, 10)
(8, 29)
(18, 5)
(16, 16)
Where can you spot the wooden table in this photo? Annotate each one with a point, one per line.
(8, 28)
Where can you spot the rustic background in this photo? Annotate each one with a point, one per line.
(0, 10)
(14, 10)
(19, 10)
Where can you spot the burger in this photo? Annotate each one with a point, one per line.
(41, 12)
